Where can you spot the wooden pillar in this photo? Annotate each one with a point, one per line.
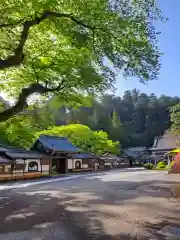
(50, 166)
(169, 161)
(66, 165)
(24, 168)
(155, 161)
(14, 174)
(41, 166)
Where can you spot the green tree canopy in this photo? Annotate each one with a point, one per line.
(134, 119)
(84, 138)
(63, 47)
(175, 119)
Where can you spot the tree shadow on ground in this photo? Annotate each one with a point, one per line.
(92, 209)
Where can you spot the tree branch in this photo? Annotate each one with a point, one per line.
(18, 56)
(35, 73)
(22, 100)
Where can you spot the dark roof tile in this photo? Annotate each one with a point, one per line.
(4, 148)
(108, 156)
(55, 143)
(24, 155)
(4, 160)
(168, 141)
(16, 153)
(83, 156)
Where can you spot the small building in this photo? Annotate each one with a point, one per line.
(136, 155)
(108, 161)
(82, 162)
(18, 164)
(162, 146)
(59, 149)
(65, 157)
(135, 152)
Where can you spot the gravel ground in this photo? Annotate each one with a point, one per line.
(113, 205)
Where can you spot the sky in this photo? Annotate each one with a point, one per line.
(168, 82)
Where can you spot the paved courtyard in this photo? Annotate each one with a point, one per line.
(112, 205)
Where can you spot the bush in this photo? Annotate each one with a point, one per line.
(161, 165)
(172, 163)
(148, 166)
(168, 167)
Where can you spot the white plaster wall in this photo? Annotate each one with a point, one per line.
(27, 161)
(85, 166)
(45, 168)
(20, 161)
(96, 165)
(72, 163)
(116, 163)
(107, 164)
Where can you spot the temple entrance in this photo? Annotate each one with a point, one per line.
(61, 165)
(130, 163)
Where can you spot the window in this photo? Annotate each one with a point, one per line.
(2, 168)
(101, 162)
(5, 168)
(19, 166)
(78, 165)
(33, 167)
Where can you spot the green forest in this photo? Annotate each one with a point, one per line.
(132, 120)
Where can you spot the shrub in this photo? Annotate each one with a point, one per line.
(172, 163)
(168, 167)
(161, 165)
(148, 166)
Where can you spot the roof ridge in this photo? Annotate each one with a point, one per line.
(11, 147)
(53, 136)
(55, 142)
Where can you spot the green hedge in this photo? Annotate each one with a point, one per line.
(172, 163)
(148, 166)
(161, 165)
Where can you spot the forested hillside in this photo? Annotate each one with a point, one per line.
(134, 119)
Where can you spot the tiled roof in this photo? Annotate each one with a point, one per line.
(15, 153)
(137, 149)
(134, 151)
(168, 141)
(59, 144)
(4, 160)
(108, 156)
(4, 148)
(24, 154)
(83, 156)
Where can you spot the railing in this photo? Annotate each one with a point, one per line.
(6, 176)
